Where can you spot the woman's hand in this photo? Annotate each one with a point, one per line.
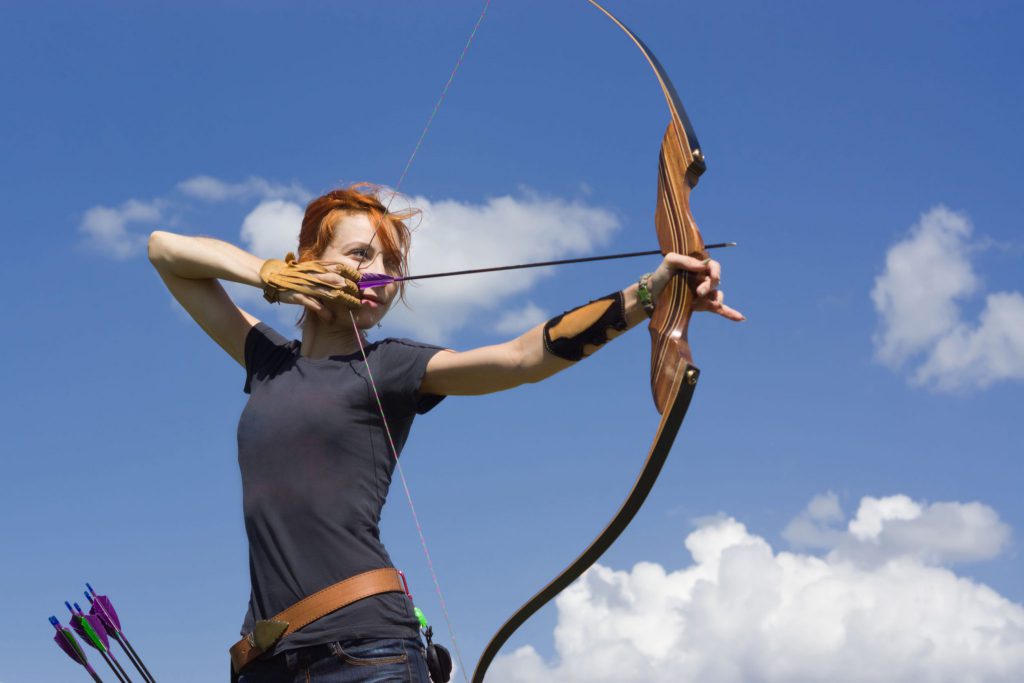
(312, 304)
(331, 281)
(706, 274)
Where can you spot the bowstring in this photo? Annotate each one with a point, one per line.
(430, 121)
(362, 349)
(408, 497)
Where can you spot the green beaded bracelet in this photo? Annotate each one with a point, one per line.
(645, 296)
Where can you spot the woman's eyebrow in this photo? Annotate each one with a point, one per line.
(358, 244)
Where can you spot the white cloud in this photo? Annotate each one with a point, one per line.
(815, 526)
(519, 320)
(501, 231)
(987, 353)
(213, 189)
(917, 297)
(272, 229)
(743, 612)
(106, 228)
(897, 526)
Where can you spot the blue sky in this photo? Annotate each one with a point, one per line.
(862, 427)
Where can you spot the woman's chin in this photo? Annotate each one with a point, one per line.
(366, 318)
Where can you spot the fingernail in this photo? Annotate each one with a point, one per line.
(706, 261)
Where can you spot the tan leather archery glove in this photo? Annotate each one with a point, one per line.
(290, 275)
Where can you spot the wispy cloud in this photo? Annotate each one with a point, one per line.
(896, 526)
(918, 297)
(743, 611)
(106, 228)
(121, 231)
(213, 189)
(519, 320)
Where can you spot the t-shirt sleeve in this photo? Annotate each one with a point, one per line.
(261, 343)
(406, 363)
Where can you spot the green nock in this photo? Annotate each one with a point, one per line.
(422, 617)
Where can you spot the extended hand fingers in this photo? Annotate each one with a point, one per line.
(731, 314)
(714, 302)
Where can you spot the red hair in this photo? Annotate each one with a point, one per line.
(391, 234)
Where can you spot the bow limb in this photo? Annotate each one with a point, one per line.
(673, 375)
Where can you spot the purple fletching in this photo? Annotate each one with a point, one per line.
(63, 641)
(370, 280)
(104, 610)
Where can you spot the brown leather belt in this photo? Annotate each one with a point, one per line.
(268, 631)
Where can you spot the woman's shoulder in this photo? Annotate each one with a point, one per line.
(264, 332)
(401, 347)
(400, 351)
(402, 342)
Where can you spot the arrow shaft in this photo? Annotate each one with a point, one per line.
(117, 664)
(106, 658)
(539, 264)
(134, 657)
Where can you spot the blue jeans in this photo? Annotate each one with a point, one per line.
(393, 660)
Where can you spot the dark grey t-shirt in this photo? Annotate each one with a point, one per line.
(316, 467)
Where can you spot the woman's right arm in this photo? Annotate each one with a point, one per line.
(191, 268)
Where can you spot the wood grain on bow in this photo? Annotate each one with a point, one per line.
(673, 375)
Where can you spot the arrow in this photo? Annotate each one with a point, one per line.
(104, 610)
(67, 642)
(91, 630)
(371, 280)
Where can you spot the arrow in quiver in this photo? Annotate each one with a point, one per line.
(103, 609)
(67, 642)
(90, 629)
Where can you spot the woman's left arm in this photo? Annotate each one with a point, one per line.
(562, 341)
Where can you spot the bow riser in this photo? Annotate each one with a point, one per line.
(679, 168)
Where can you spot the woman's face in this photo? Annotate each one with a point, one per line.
(353, 245)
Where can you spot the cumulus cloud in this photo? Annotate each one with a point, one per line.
(106, 227)
(272, 228)
(743, 612)
(918, 296)
(815, 527)
(456, 235)
(212, 189)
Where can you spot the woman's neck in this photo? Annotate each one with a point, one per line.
(321, 339)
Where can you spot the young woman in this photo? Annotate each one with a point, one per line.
(316, 453)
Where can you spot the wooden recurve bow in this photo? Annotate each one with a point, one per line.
(673, 375)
